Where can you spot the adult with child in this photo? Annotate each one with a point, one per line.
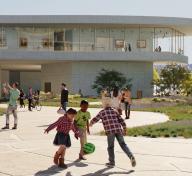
(113, 124)
(12, 105)
(64, 96)
(62, 139)
(82, 123)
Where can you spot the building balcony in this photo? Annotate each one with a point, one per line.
(52, 56)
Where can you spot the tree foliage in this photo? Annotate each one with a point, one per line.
(108, 79)
(172, 80)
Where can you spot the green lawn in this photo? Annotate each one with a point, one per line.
(180, 123)
(179, 112)
(2, 111)
(75, 102)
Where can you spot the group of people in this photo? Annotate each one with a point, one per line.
(14, 95)
(79, 122)
(32, 97)
(121, 100)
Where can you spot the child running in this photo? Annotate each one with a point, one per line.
(113, 124)
(62, 139)
(82, 123)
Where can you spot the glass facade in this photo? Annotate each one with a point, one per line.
(88, 39)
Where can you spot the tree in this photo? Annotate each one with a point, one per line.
(172, 78)
(187, 86)
(108, 79)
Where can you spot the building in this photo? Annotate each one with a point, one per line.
(44, 51)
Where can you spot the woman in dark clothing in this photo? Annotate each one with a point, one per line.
(22, 98)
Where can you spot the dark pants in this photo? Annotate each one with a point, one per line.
(127, 109)
(124, 147)
(22, 104)
(30, 104)
(64, 106)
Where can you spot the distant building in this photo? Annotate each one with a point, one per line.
(44, 51)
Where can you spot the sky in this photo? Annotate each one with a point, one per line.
(169, 8)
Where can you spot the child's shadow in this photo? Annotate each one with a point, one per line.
(56, 170)
(50, 171)
(77, 163)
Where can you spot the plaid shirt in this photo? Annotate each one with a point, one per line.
(111, 120)
(63, 125)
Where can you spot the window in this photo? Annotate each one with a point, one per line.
(3, 41)
(47, 87)
(23, 43)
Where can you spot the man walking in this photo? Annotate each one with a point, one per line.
(12, 106)
(115, 127)
(64, 96)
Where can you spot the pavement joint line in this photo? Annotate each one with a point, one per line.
(155, 155)
(6, 173)
(174, 165)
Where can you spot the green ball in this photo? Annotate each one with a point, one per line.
(89, 148)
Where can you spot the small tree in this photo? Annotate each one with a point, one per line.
(171, 79)
(187, 86)
(108, 79)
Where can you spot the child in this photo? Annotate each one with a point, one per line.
(113, 124)
(82, 123)
(62, 139)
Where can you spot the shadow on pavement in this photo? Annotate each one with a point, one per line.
(56, 170)
(50, 171)
(101, 172)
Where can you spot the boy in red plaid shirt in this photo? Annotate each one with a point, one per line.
(113, 124)
(62, 139)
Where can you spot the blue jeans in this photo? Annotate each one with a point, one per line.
(124, 147)
(64, 106)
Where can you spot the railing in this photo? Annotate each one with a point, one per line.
(61, 46)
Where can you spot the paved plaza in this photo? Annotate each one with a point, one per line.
(28, 151)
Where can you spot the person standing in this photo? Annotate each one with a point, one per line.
(127, 102)
(64, 96)
(115, 100)
(12, 106)
(30, 98)
(114, 127)
(22, 98)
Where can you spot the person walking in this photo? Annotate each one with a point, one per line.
(12, 106)
(114, 127)
(22, 98)
(64, 96)
(115, 100)
(127, 101)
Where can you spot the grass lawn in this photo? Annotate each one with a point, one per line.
(180, 123)
(75, 102)
(2, 111)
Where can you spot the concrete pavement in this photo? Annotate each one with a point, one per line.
(27, 151)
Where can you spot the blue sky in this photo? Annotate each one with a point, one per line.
(172, 8)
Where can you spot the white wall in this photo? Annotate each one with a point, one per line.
(81, 75)
(56, 74)
(30, 79)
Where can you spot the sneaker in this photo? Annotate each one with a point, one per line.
(110, 164)
(5, 128)
(133, 161)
